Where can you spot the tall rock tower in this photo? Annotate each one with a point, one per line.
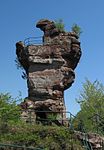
(49, 66)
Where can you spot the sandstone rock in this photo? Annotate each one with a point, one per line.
(43, 23)
(96, 141)
(50, 67)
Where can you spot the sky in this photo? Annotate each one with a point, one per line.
(17, 22)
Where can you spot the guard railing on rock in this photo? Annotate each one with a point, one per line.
(33, 41)
(63, 118)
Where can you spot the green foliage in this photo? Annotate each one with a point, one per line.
(9, 111)
(77, 29)
(39, 136)
(91, 101)
(17, 132)
(60, 25)
(52, 116)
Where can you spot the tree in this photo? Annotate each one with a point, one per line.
(9, 111)
(77, 29)
(60, 25)
(91, 100)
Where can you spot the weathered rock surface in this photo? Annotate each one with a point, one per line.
(50, 66)
(96, 141)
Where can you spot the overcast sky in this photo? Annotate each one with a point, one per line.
(17, 22)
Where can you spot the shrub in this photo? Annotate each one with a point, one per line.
(77, 29)
(9, 111)
(60, 25)
(39, 136)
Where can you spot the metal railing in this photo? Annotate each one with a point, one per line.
(33, 41)
(8, 146)
(31, 116)
(49, 117)
(41, 41)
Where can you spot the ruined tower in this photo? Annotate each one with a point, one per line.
(49, 66)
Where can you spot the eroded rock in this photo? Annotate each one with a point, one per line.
(50, 66)
(95, 140)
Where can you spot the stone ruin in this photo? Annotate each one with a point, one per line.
(49, 68)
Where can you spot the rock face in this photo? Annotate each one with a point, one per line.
(96, 141)
(49, 66)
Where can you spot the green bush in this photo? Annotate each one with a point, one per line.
(39, 136)
(9, 111)
(77, 29)
(60, 25)
(17, 132)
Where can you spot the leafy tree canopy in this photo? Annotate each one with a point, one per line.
(9, 111)
(91, 100)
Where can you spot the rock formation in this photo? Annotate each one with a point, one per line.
(96, 141)
(49, 67)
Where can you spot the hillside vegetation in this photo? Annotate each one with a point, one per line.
(39, 136)
(14, 131)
